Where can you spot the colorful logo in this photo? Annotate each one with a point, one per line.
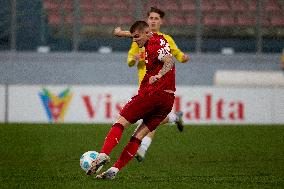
(55, 105)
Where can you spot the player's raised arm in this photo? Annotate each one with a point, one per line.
(176, 52)
(168, 65)
(121, 33)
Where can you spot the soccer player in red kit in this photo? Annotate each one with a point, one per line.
(136, 56)
(152, 104)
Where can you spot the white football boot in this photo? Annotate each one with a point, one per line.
(179, 121)
(108, 174)
(98, 164)
(140, 154)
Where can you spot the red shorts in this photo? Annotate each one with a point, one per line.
(152, 108)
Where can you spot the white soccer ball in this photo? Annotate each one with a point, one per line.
(87, 158)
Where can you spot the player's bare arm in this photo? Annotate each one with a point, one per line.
(121, 33)
(168, 65)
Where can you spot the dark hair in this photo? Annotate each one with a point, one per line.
(138, 25)
(156, 10)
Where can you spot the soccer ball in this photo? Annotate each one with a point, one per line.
(87, 158)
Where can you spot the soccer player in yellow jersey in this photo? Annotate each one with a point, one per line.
(136, 55)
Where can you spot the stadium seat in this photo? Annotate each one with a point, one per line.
(176, 20)
(68, 19)
(90, 20)
(271, 6)
(252, 4)
(86, 5)
(54, 19)
(67, 5)
(210, 20)
(281, 5)
(188, 5)
(227, 20)
(191, 20)
(277, 20)
(120, 6)
(265, 21)
(238, 5)
(125, 20)
(108, 20)
(51, 5)
(170, 5)
(206, 6)
(222, 6)
(246, 20)
(102, 6)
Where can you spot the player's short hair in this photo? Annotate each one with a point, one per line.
(138, 25)
(156, 10)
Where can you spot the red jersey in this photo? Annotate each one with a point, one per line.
(155, 49)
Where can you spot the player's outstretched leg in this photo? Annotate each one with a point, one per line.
(111, 140)
(127, 154)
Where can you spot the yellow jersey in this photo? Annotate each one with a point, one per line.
(141, 67)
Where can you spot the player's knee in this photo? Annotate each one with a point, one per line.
(123, 122)
(138, 136)
(141, 132)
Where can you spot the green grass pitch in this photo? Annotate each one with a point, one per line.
(47, 156)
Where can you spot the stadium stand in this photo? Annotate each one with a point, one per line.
(220, 19)
(226, 13)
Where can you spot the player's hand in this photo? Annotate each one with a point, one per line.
(121, 33)
(185, 58)
(117, 31)
(134, 60)
(136, 57)
(154, 78)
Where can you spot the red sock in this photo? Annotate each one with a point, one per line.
(128, 153)
(112, 138)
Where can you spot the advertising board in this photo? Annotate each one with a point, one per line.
(101, 104)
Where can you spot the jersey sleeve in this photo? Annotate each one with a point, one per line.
(176, 52)
(134, 49)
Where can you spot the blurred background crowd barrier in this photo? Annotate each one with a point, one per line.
(252, 26)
